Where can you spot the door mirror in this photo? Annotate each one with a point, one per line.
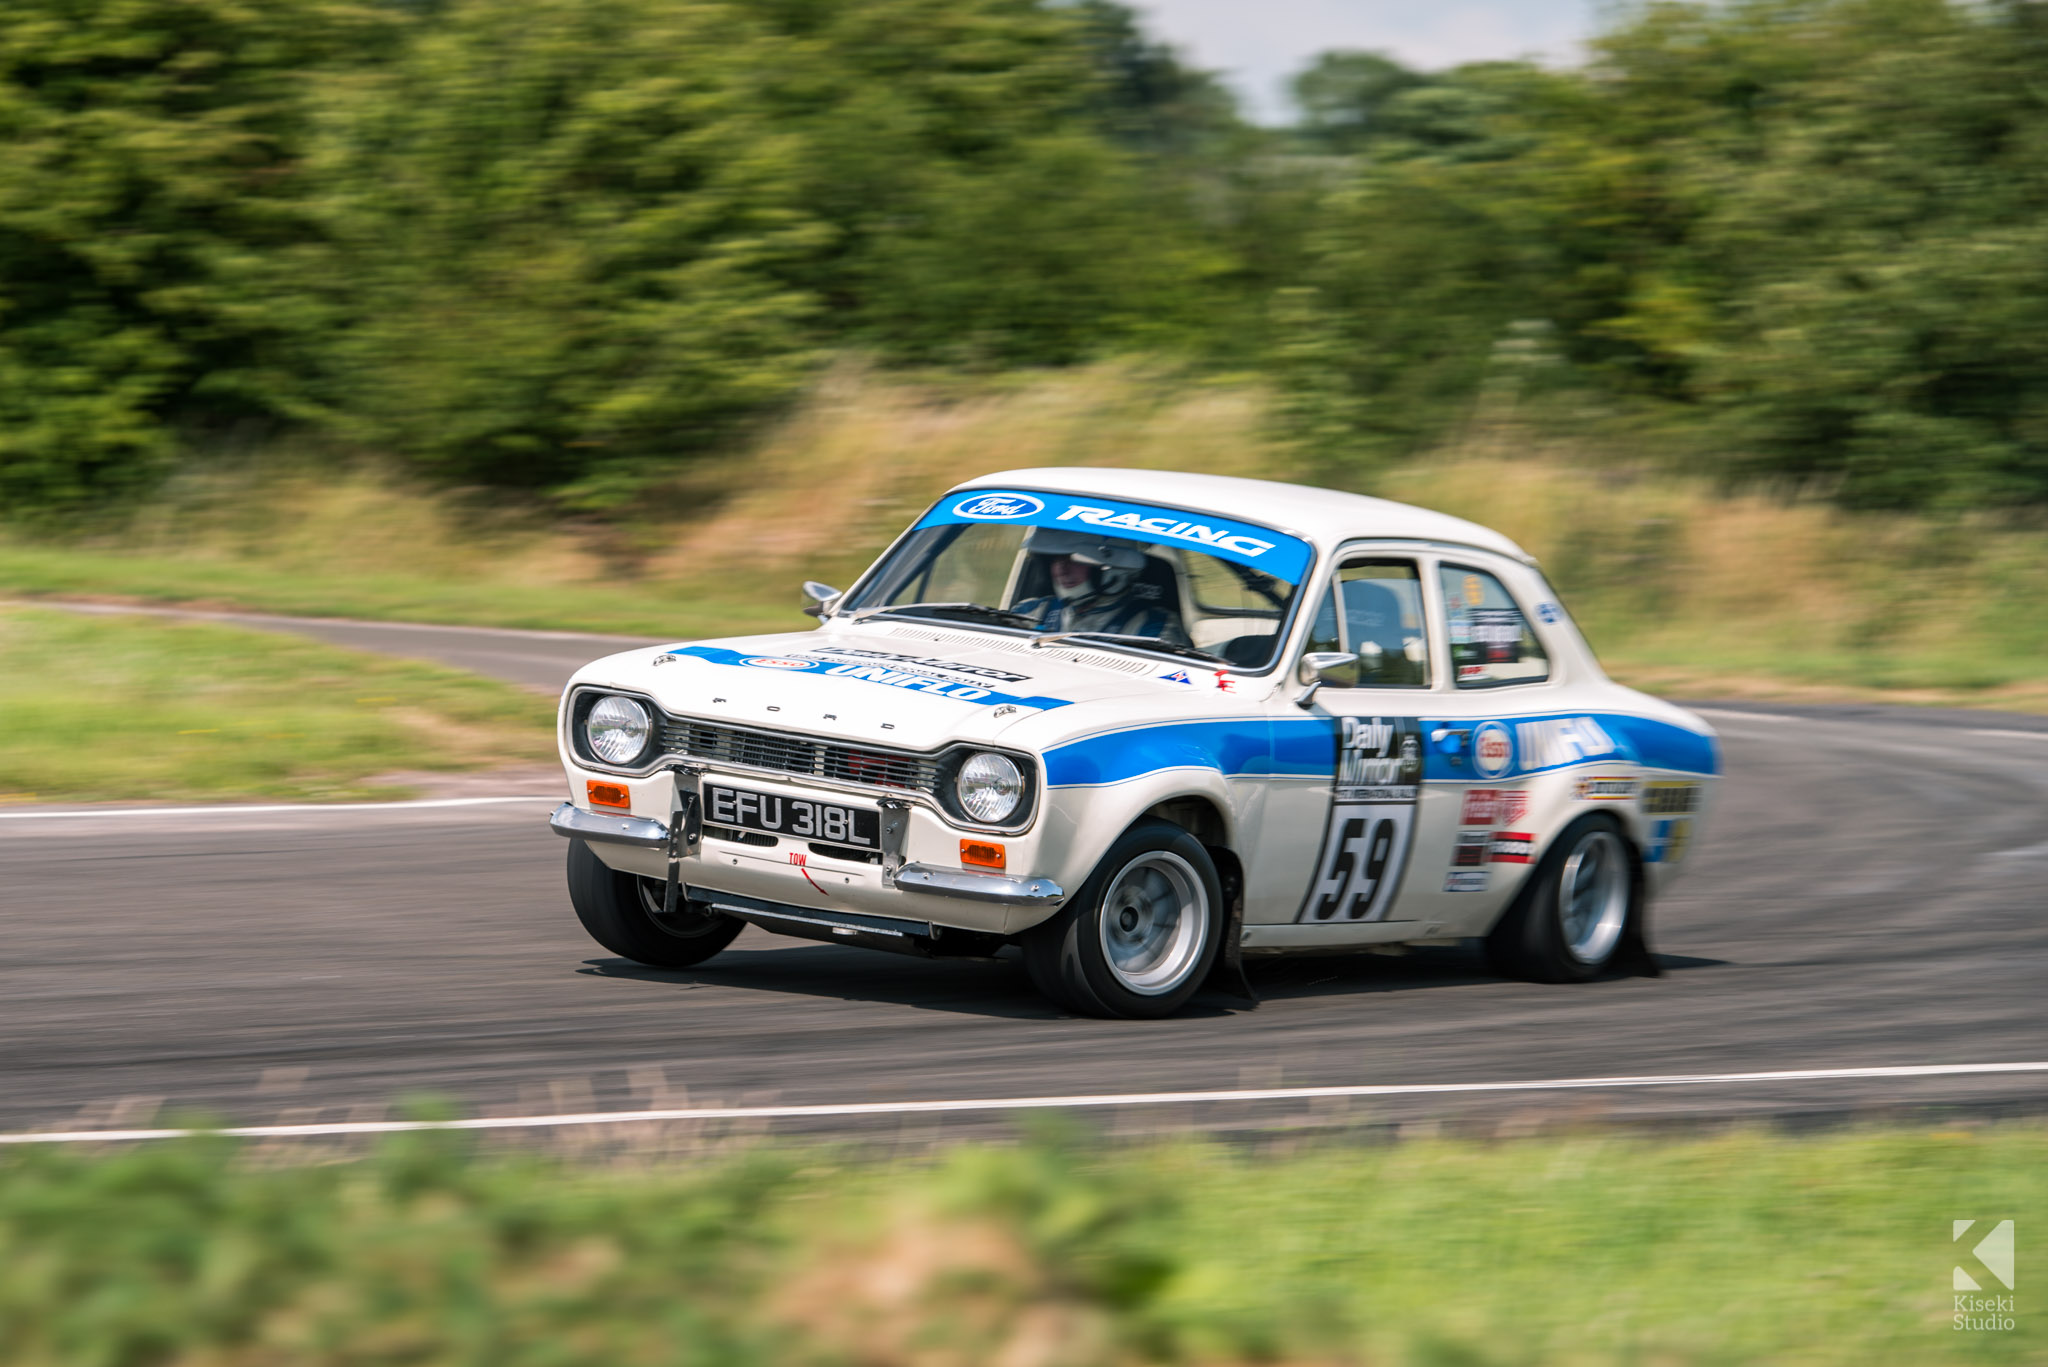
(1332, 667)
(822, 597)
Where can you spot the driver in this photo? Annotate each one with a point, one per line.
(1097, 586)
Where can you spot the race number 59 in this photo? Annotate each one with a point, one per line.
(1353, 869)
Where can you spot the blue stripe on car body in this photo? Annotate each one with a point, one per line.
(1306, 747)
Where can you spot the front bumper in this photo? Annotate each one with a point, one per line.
(646, 833)
(638, 831)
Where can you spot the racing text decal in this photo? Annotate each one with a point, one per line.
(1277, 553)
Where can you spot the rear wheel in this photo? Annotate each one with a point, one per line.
(622, 912)
(1140, 936)
(1577, 909)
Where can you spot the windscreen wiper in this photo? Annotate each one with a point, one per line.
(978, 612)
(1115, 638)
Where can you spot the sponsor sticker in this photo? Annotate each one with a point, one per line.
(1664, 798)
(1668, 841)
(1493, 807)
(1493, 749)
(1372, 820)
(1559, 741)
(998, 507)
(1549, 613)
(913, 680)
(1470, 851)
(1179, 676)
(1465, 880)
(1512, 847)
(1471, 671)
(1605, 788)
(922, 662)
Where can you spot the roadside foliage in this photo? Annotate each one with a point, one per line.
(575, 248)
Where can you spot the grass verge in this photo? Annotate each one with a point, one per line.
(1744, 1247)
(1683, 590)
(129, 709)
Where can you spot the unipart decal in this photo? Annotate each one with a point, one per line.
(886, 676)
(1556, 742)
(1372, 820)
(921, 664)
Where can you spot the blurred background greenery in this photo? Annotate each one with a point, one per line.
(574, 249)
(627, 316)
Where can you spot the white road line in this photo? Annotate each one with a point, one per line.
(418, 805)
(1746, 716)
(2013, 735)
(1035, 1103)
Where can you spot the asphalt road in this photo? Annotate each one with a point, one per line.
(1871, 892)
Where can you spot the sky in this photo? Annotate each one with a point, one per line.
(1258, 44)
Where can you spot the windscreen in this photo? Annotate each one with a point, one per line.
(1181, 583)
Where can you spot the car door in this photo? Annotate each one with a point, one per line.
(1474, 837)
(1349, 834)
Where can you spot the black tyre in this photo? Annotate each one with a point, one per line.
(1580, 909)
(622, 912)
(1142, 933)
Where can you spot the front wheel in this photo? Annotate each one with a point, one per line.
(1140, 936)
(622, 912)
(1577, 910)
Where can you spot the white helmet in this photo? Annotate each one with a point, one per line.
(1115, 561)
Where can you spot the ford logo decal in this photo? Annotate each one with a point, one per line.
(998, 507)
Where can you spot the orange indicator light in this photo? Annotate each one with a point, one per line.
(609, 794)
(985, 853)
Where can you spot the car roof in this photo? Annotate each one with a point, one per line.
(1324, 516)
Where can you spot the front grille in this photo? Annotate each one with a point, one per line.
(787, 754)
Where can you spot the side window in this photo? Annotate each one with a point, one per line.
(1374, 611)
(1491, 643)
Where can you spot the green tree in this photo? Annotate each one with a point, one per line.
(151, 206)
(566, 240)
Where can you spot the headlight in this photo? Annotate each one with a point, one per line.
(617, 730)
(989, 787)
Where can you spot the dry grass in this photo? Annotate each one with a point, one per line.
(1682, 589)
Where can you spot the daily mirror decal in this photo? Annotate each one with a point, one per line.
(1276, 553)
(1372, 820)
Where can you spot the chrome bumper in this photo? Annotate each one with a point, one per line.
(979, 887)
(573, 821)
(647, 833)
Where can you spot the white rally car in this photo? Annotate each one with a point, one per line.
(1140, 725)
